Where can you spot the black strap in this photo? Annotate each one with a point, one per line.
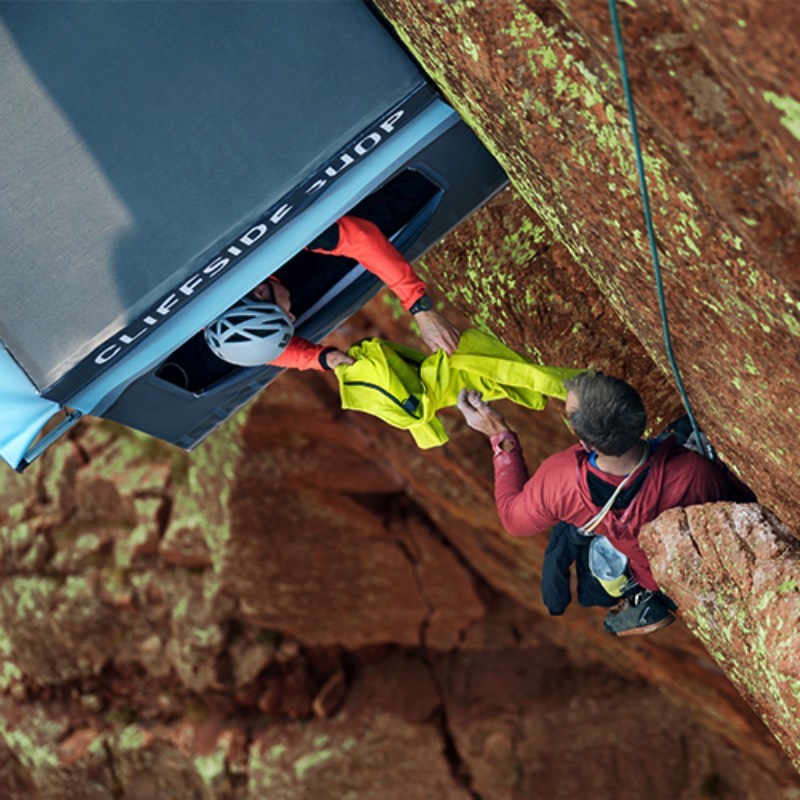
(409, 405)
(601, 490)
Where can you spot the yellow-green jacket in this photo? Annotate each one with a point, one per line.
(405, 388)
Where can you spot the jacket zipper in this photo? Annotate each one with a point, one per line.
(410, 405)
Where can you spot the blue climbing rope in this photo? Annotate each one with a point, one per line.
(648, 221)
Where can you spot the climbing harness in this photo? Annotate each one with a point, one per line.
(648, 219)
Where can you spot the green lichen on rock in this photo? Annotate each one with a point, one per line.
(213, 767)
(731, 569)
(32, 741)
(200, 510)
(131, 737)
(790, 108)
(311, 761)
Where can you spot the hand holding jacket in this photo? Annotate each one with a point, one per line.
(480, 416)
(437, 332)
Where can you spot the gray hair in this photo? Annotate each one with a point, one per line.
(610, 416)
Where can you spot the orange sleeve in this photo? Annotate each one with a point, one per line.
(364, 242)
(300, 354)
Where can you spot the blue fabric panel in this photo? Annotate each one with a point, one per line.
(22, 412)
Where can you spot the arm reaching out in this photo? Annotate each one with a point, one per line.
(363, 241)
(302, 354)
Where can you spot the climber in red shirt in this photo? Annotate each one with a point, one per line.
(260, 329)
(576, 485)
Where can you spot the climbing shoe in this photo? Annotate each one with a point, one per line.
(640, 612)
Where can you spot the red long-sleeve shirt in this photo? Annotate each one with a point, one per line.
(559, 491)
(362, 241)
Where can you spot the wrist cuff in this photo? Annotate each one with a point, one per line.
(323, 358)
(423, 303)
(504, 442)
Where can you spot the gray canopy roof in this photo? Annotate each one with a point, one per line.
(136, 139)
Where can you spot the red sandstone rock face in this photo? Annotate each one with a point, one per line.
(734, 572)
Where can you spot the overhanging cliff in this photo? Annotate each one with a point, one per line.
(714, 84)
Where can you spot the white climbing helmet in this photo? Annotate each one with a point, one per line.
(250, 334)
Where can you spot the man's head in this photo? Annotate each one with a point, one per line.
(606, 413)
(273, 291)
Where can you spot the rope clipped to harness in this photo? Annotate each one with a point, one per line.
(648, 220)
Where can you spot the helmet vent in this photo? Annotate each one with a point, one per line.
(250, 334)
